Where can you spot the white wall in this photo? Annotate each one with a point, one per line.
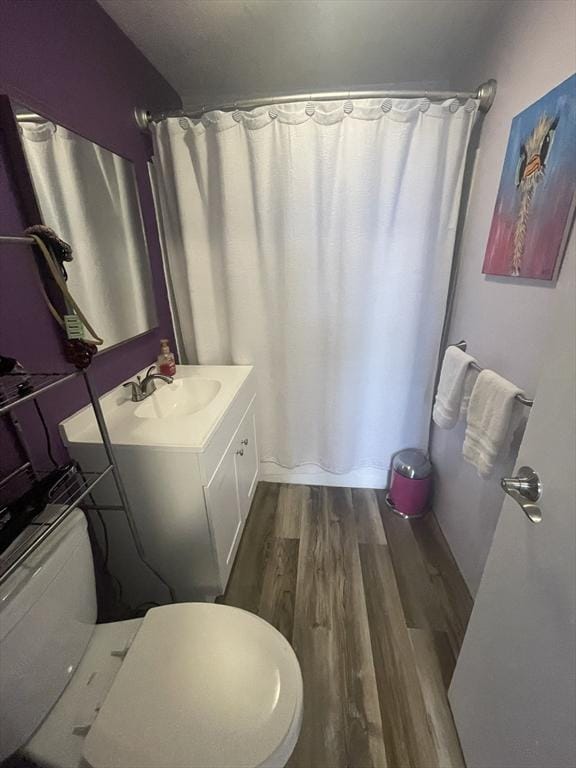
(218, 50)
(504, 321)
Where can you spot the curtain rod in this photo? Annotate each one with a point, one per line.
(485, 93)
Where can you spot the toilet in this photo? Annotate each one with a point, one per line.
(191, 685)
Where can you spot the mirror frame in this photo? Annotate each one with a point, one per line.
(28, 200)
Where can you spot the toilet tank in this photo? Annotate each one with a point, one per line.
(47, 616)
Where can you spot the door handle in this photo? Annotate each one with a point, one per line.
(525, 489)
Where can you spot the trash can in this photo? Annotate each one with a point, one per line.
(411, 483)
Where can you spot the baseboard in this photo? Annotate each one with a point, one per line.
(368, 477)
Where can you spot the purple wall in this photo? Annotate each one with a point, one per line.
(68, 60)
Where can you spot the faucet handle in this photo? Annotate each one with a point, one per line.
(135, 388)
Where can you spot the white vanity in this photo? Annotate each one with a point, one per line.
(189, 460)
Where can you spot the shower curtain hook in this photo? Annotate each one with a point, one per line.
(348, 105)
(236, 113)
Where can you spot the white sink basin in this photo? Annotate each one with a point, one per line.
(181, 398)
(181, 415)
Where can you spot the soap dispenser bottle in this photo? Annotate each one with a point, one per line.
(166, 363)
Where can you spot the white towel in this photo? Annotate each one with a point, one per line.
(448, 403)
(469, 381)
(490, 417)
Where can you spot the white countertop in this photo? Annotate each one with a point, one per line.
(183, 431)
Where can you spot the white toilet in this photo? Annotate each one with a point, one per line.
(191, 685)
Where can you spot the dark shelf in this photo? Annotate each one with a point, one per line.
(65, 495)
(18, 388)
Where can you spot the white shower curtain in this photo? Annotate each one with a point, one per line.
(315, 242)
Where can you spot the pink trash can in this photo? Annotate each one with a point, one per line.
(411, 483)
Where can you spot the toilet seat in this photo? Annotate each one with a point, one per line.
(201, 686)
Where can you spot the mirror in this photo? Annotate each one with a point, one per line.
(89, 197)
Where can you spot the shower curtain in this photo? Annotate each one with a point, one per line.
(314, 241)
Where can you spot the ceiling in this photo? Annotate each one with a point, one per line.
(225, 49)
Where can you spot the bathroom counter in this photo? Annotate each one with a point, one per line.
(183, 415)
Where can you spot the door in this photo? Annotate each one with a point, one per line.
(246, 460)
(513, 692)
(223, 507)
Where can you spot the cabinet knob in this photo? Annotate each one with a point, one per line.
(240, 452)
(245, 441)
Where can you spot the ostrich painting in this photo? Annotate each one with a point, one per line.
(537, 193)
(530, 170)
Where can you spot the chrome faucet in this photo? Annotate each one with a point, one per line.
(143, 388)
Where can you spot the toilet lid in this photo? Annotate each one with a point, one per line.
(202, 686)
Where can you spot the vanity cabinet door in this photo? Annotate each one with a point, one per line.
(223, 509)
(246, 460)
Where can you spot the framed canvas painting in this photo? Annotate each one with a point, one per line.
(537, 195)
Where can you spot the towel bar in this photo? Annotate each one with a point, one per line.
(521, 398)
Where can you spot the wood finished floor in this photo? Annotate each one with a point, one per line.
(376, 610)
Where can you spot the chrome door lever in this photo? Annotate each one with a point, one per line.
(525, 489)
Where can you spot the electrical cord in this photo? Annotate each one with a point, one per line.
(68, 298)
(143, 606)
(106, 554)
(46, 433)
(115, 580)
(104, 531)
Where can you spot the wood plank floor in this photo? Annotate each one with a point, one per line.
(376, 610)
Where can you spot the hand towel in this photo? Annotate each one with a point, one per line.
(469, 380)
(448, 402)
(490, 415)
